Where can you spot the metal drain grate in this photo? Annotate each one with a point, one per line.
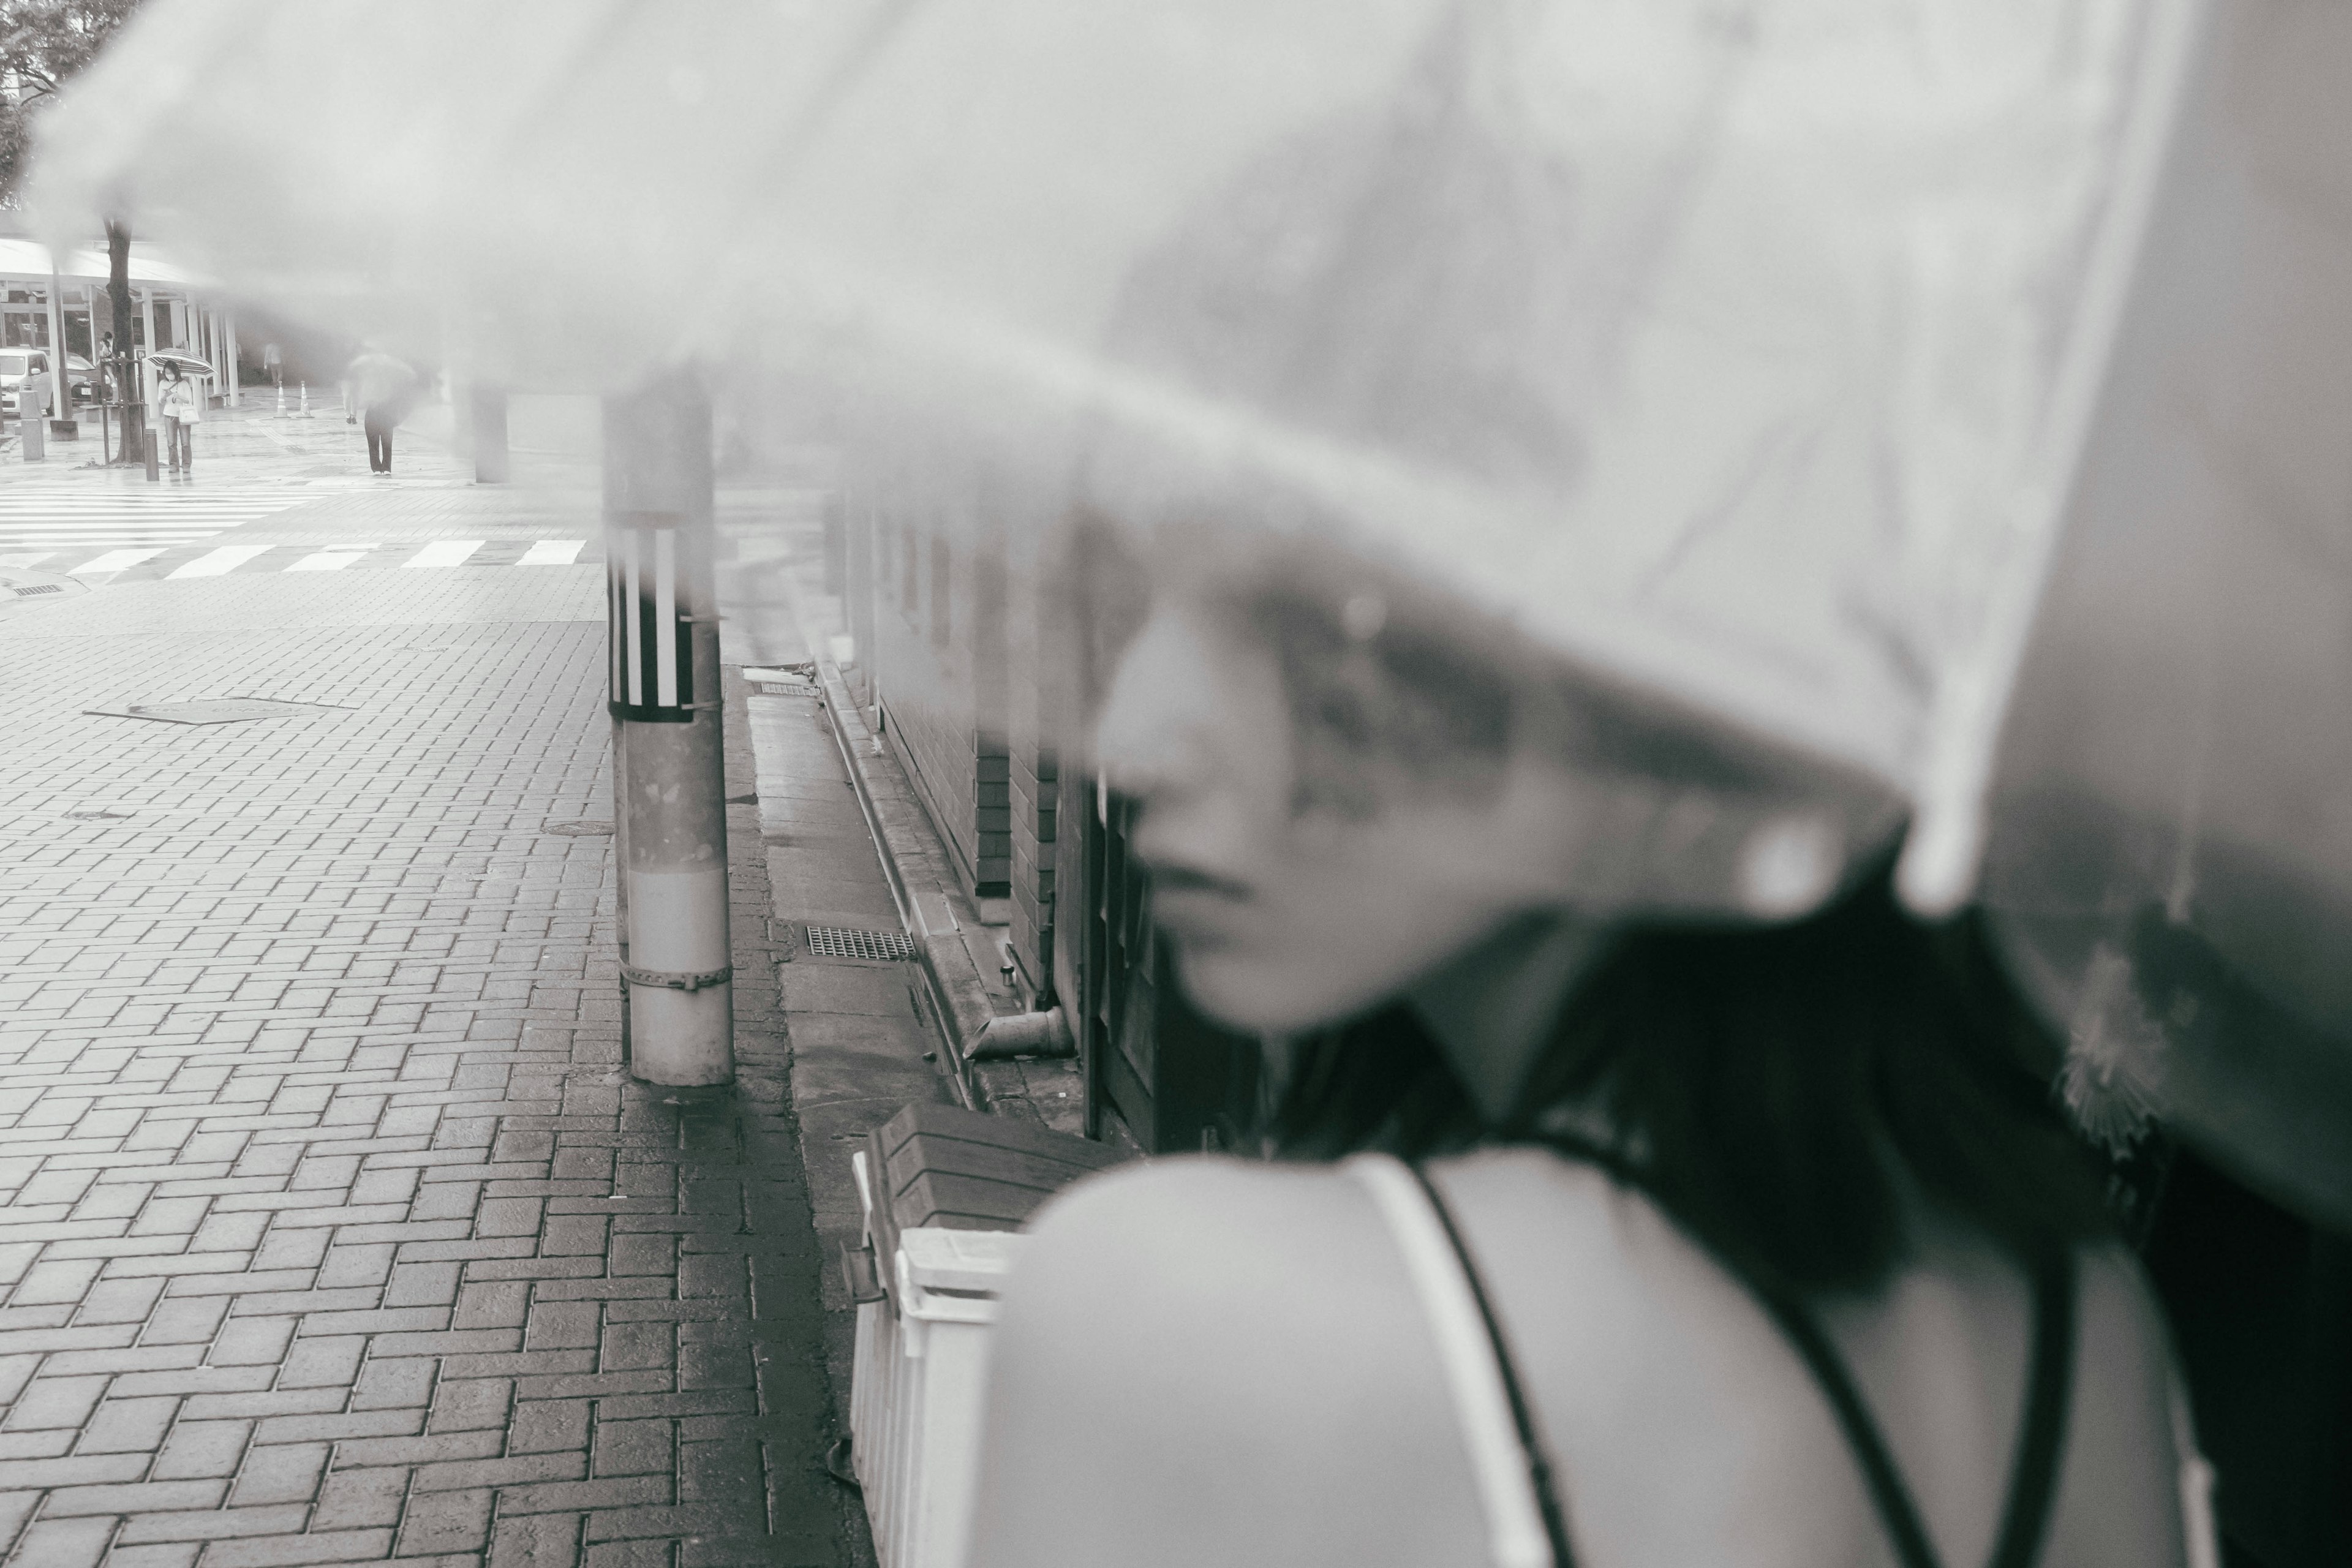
(784, 680)
(29, 589)
(846, 941)
(218, 709)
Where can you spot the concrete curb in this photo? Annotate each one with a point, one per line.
(959, 998)
(938, 917)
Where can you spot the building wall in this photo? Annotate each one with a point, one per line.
(1036, 726)
(923, 680)
(984, 577)
(929, 590)
(979, 665)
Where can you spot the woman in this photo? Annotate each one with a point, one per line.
(1743, 1241)
(181, 407)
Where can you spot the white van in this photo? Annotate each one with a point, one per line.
(15, 365)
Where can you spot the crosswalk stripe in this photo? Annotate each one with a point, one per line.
(151, 525)
(187, 558)
(444, 552)
(220, 563)
(332, 560)
(113, 536)
(258, 506)
(146, 520)
(116, 561)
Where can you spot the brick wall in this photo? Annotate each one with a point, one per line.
(933, 584)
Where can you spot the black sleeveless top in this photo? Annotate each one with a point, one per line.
(2033, 1477)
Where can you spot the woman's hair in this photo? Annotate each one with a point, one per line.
(1775, 1088)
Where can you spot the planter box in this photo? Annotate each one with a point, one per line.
(943, 1190)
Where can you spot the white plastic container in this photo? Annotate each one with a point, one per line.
(919, 1368)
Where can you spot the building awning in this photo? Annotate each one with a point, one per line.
(30, 259)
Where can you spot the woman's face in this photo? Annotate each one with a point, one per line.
(1302, 882)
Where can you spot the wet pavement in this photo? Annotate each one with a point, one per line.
(333, 1230)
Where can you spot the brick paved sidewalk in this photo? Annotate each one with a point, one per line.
(334, 1232)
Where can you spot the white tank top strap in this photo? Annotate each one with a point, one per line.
(1490, 1435)
(2196, 1522)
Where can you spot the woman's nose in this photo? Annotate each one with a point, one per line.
(1156, 735)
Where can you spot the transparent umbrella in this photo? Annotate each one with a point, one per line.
(1748, 361)
(537, 186)
(1951, 395)
(2172, 851)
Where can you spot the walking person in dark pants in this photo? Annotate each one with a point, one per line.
(383, 388)
(379, 425)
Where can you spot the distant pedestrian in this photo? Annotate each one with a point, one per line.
(273, 362)
(383, 388)
(181, 407)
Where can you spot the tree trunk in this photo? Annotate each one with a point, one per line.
(117, 305)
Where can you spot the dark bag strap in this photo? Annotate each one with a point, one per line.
(2033, 1474)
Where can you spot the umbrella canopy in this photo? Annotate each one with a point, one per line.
(534, 186)
(1748, 361)
(2172, 849)
(1755, 359)
(188, 363)
(1741, 359)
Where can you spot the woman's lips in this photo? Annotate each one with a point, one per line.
(1193, 905)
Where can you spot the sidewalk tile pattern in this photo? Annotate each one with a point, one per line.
(332, 1230)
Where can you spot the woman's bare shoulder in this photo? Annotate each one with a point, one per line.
(1151, 1215)
(1203, 1329)
(1190, 1254)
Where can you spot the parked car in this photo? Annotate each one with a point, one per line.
(15, 365)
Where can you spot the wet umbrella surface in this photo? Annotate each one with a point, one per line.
(1756, 364)
(1863, 433)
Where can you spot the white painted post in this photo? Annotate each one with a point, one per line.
(664, 690)
(60, 385)
(146, 363)
(235, 376)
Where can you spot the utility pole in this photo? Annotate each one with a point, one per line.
(670, 791)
